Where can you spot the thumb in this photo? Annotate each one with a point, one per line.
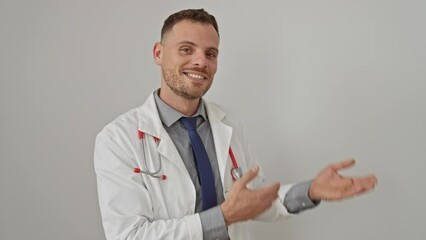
(343, 164)
(248, 176)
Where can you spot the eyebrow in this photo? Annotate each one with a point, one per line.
(193, 44)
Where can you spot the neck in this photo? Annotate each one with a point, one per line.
(185, 106)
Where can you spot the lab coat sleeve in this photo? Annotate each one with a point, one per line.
(125, 203)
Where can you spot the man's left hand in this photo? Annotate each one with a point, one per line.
(329, 185)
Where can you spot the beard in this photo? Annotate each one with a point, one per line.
(182, 86)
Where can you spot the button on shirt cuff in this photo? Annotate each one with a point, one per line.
(297, 199)
(214, 226)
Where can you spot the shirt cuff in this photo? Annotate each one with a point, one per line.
(297, 198)
(213, 223)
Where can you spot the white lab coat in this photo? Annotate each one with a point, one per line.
(138, 206)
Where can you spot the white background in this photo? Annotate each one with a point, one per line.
(314, 82)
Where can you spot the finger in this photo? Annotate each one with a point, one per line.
(248, 176)
(370, 180)
(347, 182)
(366, 182)
(357, 191)
(342, 164)
(361, 185)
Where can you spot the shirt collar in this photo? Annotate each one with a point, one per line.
(169, 115)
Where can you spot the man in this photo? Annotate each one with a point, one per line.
(164, 169)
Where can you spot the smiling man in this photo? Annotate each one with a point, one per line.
(171, 168)
(187, 55)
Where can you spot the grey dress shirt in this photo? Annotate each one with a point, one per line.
(212, 220)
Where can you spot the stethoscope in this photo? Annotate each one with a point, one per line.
(236, 171)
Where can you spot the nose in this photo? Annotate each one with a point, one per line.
(200, 60)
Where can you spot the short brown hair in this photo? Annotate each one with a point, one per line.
(195, 15)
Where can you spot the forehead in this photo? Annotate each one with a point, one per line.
(188, 31)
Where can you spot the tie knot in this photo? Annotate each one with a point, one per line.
(190, 123)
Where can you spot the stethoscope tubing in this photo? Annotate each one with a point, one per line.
(236, 172)
(145, 162)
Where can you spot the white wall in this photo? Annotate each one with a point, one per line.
(337, 79)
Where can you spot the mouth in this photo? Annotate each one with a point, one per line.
(195, 76)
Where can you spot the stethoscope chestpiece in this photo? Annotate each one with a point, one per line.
(236, 173)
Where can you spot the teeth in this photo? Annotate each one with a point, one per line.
(193, 75)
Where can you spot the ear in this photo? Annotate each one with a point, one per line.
(157, 52)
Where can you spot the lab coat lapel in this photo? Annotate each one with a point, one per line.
(222, 134)
(150, 123)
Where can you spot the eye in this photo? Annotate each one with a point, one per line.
(185, 50)
(212, 55)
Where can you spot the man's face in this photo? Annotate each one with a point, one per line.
(188, 58)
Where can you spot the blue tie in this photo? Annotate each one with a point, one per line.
(205, 172)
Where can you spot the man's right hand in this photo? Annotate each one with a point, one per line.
(243, 203)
